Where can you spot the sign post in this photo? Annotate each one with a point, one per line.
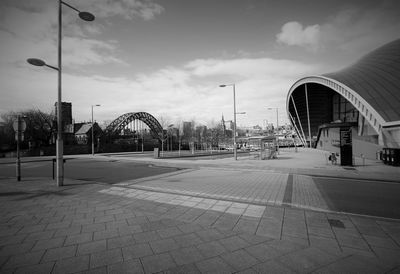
(19, 126)
(346, 147)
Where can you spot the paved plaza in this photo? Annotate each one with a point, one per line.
(255, 186)
(198, 220)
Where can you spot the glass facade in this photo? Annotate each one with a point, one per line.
(343, 110)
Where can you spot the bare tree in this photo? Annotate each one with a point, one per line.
(7, 134)
(40, 127)
(164, 121)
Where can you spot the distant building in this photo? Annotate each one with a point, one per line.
(187, 130)
(229, 125)
(223, 125)
(83, 135)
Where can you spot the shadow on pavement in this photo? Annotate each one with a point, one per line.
(12, 193)
(42, 194)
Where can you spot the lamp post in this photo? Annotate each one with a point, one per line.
(37, 62)
(93, 129)
(234, 119)
(277, 125)
(169, 133)
(19, 126)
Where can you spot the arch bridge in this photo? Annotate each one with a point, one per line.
(124, 120)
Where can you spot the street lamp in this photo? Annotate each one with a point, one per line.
(37, 62)
(170, 133)
(234, 119)
(93, 129)
(277, 125)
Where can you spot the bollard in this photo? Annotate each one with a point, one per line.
(18, 169)
(156, 153)
(54, 160)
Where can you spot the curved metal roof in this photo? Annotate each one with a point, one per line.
(376, 78)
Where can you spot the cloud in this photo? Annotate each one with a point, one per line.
(188, 91)
(247, 67)
(89, 52)
(358, 30)
(192, 90)
(127, 9)
(353, 29)
(29, 29)
(294, 34)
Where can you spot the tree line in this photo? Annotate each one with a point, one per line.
(41, 130)
(40, 127)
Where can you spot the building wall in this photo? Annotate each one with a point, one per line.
(81, 139)
(330, 141)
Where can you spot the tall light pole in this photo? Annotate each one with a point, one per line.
(277, 124)
(93, 129)
(37, 62)
(234, 119)
(170, 133)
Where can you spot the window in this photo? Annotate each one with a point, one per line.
(343, 109)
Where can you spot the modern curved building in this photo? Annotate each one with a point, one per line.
(359, 105)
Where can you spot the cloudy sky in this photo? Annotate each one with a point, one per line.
(168, 57)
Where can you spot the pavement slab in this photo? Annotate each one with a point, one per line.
(98, 228)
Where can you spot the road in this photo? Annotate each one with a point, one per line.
(365, 197)
(99, 170)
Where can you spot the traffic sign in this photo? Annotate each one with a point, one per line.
(21, 136)
(19, 125)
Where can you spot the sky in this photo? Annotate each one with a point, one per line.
(169, 57)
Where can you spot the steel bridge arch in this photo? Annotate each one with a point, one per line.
(122, 121)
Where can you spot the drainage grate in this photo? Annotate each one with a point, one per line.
(336, 223)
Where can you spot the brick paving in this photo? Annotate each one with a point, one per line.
(82, 228)
(261, 187)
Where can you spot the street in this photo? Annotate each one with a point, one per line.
(365, 197)
(96, 170)
(222, 209)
